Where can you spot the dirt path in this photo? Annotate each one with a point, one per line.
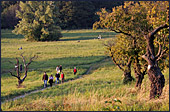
(35, 91)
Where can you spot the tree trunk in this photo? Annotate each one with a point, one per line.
(127, 77)
(127, 72)
(139, 79)
(157, 81)
(139, 75)
(155, 76)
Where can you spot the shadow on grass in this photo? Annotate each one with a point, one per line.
(8, 34)
(86, 36)
(68, 62)
(40, 66)
(66, 36)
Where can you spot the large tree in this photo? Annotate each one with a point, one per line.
(38, 21)
(143, 20)
(119, 22)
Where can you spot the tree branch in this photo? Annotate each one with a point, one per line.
(151, 34)
(161, 55)
(14, 75)
(120, 31)
(159, 51)
(114, 61)
(17, 69)
(145, 57)
(129, 61)
(23, 58)
(31, 59)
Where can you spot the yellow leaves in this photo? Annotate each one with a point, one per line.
(113, 9)
(45, 31)
(124, 6)
(22, 5)
(48, 11)
(128, 3)
(95, 25)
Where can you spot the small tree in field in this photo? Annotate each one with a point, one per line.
(17, 68)
(38, 21)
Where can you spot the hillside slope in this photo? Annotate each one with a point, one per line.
(100, 89)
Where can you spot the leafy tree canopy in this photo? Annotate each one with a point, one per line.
(38, 21)
(136, 19)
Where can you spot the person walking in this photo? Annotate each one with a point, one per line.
(51, 80)
(60, 68)
(75, 70)
(57, 77)
(62, 77)
(45, 78)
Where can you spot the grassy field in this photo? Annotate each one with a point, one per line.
(100, 90)
(50, 54)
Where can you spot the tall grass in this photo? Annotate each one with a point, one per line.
(91, 92)
(100, 90)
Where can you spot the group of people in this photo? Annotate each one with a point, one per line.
(57, 75)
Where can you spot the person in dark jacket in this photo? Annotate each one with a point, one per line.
(45, 78)
(60, 68)
(57, 77)
(51, 80)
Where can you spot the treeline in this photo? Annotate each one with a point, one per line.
(70, 14)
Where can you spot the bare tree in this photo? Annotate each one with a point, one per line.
(18, 72)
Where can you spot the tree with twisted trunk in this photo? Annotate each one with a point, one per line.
(143, 21)
(17, 68)
(155, 75)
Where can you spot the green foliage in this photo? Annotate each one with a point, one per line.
(135, 19)
(38, 23)
(76, 14)
(71, 14)
(6, 4)
(8, 16)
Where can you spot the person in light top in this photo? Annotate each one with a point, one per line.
(57, 69)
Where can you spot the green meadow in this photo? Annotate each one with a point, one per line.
(96, 87)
